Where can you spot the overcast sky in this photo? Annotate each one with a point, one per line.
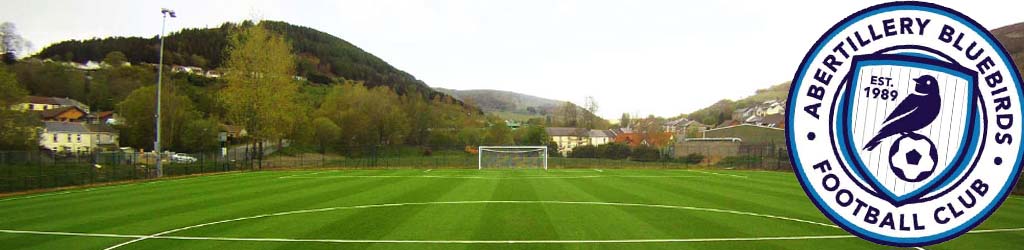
(645, 57)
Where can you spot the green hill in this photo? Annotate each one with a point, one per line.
(320, 57)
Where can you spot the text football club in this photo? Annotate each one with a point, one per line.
(904, 124)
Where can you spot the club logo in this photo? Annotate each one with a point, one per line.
(904, 124)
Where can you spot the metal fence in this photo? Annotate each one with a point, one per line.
(29, 170)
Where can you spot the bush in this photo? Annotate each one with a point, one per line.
(693, 158)
(739, 161)
(614, 151)
(645, 153)
(584, 151)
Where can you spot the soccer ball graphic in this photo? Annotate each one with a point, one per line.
(913, 157)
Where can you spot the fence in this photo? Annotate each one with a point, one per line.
(28, 170)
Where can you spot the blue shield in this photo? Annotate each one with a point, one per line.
(905, 123)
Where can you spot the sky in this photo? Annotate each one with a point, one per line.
(641, 57)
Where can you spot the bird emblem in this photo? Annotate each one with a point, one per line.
(915, 112)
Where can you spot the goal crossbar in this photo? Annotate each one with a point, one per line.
(542, 152)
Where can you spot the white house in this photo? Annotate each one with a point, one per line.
(77, 137)
(569, 138)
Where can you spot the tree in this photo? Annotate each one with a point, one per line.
(567, 115)
(422, 118)
(651, 131)
(590, 118)
(624, 120)
(498, 133)
(51, 79)
(17, 129)
(11, 43)
(198, 61)
(10, 91)
(199, 135)
(260, 92)
(115, 59)
(137, 129)
(369, 116)
(325, 132)
(531, 135)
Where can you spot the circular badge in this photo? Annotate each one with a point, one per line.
(904, 124)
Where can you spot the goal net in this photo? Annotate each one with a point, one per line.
(512, 157)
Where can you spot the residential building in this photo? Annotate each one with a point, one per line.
(77, 137)
(680, 127)
(63, 114)
(569, 138)
(234, 132)
(41, 103)
(599, 137)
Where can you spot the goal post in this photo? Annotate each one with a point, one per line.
(512, 157)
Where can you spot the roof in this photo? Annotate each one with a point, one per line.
(100, 128)
(52, 113)
(600, 133)
(728, 123)
(42, 100)
(56, 101)
(777, 119)
(564, 131)
(677, 122)
(105, 114)
(68, 127)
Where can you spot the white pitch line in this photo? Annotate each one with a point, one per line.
(489, 177)
(102, 235)
(427, 171)
(714, 210)
(304, 174)
(721, 174)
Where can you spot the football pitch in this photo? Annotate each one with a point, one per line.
(451, 209)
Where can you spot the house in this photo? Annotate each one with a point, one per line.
(63, 114)
(40, 103)
(513, 124)
(87, 66)
(568, 138)
(680, 127)
(77, 137)
(213, 74)
(187, 69)
(600, 137)
(233, 131)
(774, 121)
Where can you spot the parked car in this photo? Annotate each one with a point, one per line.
(182, 158)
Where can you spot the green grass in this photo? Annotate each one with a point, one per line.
(448, 205)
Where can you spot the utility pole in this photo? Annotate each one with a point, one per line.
(159, 84)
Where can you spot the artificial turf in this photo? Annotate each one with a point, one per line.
(451, 209)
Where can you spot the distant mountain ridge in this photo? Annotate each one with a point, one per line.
(508, 104)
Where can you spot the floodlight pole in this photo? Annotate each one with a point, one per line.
(159, 85)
